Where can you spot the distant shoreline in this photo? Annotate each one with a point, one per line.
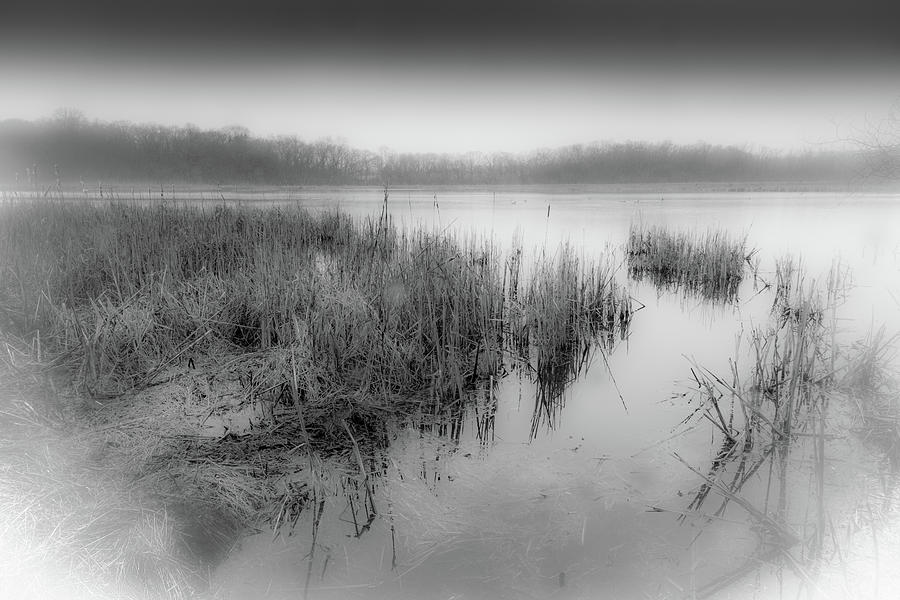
(123, 189)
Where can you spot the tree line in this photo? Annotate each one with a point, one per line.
(68, 148)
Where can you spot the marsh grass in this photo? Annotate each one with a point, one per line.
(75, 529)
(572, 309)
(709, 264)
(125, 292)
(367, 318)
(243, 361)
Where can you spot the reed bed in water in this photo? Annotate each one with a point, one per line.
(218, 354)
(783, 420)
(709, 264)
(571, 309)
(359, 315)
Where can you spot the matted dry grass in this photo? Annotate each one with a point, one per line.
(74, 525)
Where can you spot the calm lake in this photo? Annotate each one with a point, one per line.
(600, 503)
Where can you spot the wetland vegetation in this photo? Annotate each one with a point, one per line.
(709, 264)
(180, 377)
(219, 354)
(787, 416)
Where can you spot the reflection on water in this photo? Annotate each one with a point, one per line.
(545, 486)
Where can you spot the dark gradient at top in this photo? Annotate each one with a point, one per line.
(760, 32)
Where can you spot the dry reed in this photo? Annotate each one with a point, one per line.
(710, 265)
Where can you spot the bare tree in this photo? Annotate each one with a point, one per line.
(880, 145)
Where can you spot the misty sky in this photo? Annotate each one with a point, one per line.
(463, 75)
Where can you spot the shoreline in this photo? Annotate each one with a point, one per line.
(153, 188)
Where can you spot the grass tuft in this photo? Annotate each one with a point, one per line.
(710, 265)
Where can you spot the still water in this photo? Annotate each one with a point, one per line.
(591, 507)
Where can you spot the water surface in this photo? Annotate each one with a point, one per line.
(590, 506)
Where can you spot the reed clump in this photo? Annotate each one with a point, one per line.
(122, 292)
(710, 264)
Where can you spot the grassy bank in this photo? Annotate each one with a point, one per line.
(249, 361)
(76, 527)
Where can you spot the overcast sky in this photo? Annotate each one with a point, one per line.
(462, 75)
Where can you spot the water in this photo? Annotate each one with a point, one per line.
(590, 507)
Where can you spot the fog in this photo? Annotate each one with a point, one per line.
(462, 77)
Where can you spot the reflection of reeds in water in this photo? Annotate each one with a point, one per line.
(477, 411)
(571, 308)
(781, 416)
(710, 265)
